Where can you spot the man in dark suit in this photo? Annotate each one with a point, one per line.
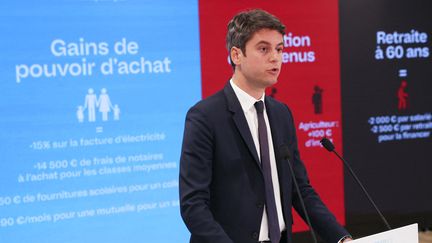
(235, 182)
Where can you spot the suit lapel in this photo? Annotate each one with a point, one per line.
(276, 131)
(240, 121)
(282, 165)
(272, 117)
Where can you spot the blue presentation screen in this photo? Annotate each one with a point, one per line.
(93, 96)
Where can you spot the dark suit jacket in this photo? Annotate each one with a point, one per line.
(221, 184)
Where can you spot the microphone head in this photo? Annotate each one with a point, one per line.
(326, 143)
(284, 151)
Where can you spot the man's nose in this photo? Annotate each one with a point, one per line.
(275, 56)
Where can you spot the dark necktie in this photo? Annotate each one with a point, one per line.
(273, 222)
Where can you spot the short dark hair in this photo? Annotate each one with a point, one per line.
(243, 26)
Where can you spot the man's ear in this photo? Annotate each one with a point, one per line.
(236, 55)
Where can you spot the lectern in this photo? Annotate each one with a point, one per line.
(406, 234)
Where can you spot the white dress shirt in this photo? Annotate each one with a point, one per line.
(247, 103)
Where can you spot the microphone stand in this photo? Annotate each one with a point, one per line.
(330, 147)
(286, 157)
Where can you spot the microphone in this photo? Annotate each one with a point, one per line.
(327, 144)
(284, 152)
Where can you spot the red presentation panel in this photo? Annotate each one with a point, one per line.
(309, 82)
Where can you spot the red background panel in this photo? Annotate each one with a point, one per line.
(318, 21)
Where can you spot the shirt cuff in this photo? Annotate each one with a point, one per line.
(345, 237)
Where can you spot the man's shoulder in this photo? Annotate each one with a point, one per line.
(211, 104)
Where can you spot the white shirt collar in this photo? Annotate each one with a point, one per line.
(247, 102)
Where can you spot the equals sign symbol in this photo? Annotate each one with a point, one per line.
(403, 72)
(99, 129)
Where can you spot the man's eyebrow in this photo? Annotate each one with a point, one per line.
(262, 42)
(267, 43)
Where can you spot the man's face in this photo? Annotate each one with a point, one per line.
(261, 64)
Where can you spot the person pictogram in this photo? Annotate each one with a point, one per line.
(317, 99)
(105, 105)
(80, 114)
(91, 103)
(402, 96)
(116, 110)
(273, 92)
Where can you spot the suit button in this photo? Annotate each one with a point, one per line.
(260, 205)
(255, 235)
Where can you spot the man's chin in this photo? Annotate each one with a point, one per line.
(271, 82)
(265, 82)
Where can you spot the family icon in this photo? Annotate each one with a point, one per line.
(93, 103)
